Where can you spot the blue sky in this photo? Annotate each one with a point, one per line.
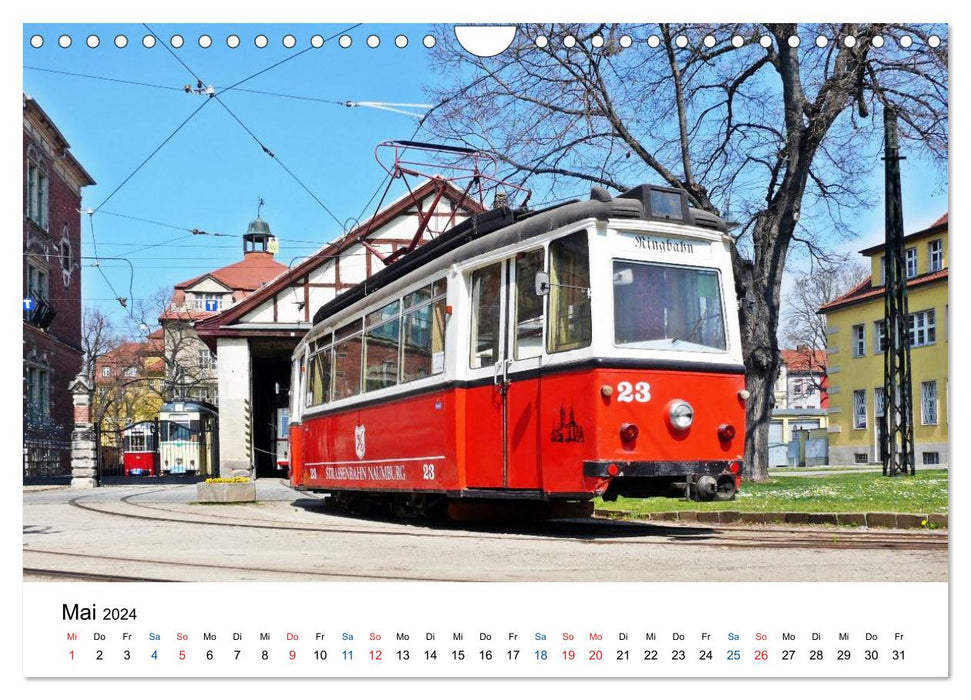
(212, 173)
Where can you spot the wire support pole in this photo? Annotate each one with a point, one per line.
(897, 439)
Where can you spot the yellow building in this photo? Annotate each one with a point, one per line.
(855, 337)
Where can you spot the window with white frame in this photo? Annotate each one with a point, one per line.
(207, 359)
(928, 403)
(883, 269)
(131, 372)
(879, 336)
(911, 262)
(878, 402)
(922, 330)
(859, 408)
(859, 340)
(209, 302)
(106, 371)
(935, 255)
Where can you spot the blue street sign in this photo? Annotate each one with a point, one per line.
(212, 305)
(29, 304)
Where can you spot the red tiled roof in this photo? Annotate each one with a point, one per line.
(132, 353)
(865, 290)
(252, 272)
(175, 313)
(942, 220)
(804, 359)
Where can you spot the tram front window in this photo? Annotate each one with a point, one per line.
(667, 307)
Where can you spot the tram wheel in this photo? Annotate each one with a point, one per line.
(726, 489)
(704, 489)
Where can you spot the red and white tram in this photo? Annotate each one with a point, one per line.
(139, 443)
(590, 349)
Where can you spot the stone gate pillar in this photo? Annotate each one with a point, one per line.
(234, 365)
(84, 449)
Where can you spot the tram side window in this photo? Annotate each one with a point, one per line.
(320, 378)
(529, 305)
(486, 294)
(569, 318)
(423, 341)
(381, 348)
(347, 364)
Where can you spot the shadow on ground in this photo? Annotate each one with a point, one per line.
(592, 529)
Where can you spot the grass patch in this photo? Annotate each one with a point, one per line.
(870, 492)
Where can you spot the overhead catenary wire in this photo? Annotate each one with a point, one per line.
(249, 131)
(105, 78)
(283, 165)
(151, 155)
(371, 104)
(288, 58)
(173, 242)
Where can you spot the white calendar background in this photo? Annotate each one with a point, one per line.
(399, 630)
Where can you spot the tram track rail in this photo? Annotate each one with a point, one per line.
(88, 576)
(599, 532)
(318, 574)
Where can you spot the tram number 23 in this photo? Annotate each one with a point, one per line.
(628, 393)
(428, 472)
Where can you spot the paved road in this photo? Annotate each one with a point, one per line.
(159, 533)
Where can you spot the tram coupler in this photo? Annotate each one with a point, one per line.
(706, 487)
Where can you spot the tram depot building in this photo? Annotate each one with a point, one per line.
(855, 337)
(254, 335)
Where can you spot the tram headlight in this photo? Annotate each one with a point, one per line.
(681, 414)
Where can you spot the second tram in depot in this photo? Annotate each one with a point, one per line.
(187, 443)
(549, 357)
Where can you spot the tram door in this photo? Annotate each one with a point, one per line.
(503, 428)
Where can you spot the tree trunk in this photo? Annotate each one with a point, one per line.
(759, 291)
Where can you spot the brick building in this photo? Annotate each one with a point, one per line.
(53, 179)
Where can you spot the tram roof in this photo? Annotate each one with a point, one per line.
(193, 405)
(503, 226)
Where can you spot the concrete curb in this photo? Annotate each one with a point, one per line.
(899, 521)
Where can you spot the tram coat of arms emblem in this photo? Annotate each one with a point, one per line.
(359, 441)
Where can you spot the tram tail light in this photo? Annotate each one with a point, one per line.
(726, 432)
(629, 432)
(613, 470)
